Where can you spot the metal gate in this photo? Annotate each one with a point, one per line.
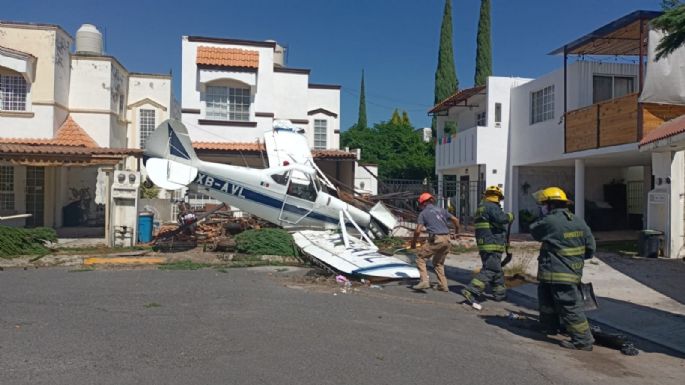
(461, 197)
(35, 195)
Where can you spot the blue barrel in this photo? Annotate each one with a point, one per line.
(145, 227)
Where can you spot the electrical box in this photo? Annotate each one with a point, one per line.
(658, 204)
(124, 208)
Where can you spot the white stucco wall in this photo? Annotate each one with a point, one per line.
(328, 99)
(151, 92)
(285, 95)
(364, 181)
(544, 141)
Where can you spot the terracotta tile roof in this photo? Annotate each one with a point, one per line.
(333, 154)
(456, 98)
(671, 128)
(257, 147)
(70, 146)
(49, 149)
(229, 146)
(56, 155)
(227, 57)
(69, 134)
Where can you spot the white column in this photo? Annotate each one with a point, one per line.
(441, 190)
(511, 196)
(674, 239)
(580, 188)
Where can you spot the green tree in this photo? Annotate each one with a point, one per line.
(446, 82)
(672, 22)
(361, 120)
(395, 147)
(405, 118)
(483, 47)
(396, 119)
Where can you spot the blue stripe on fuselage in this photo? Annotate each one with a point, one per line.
(232, 188)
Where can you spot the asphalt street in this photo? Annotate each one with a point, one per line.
(274, 326)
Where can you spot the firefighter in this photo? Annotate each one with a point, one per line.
(434, 219)
(491, 230)
(566, 242)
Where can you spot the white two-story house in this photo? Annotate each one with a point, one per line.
(233, 90)
(579, 128)
(472, 142)
(63, 116)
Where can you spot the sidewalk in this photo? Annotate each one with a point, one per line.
(642, 297)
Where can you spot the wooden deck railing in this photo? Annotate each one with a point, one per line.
(614, 122)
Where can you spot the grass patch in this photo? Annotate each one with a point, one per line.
(620, 247)
(221, 269)
(83, 269)
(15, 242)
(266, 242)
(458, 249)
(151, 305)
(183, 265)
(390, 243)
(97, 250)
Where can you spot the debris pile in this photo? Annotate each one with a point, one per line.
(213, 228)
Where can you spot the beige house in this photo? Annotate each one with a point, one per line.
(65, 115)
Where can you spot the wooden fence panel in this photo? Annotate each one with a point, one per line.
(618, 121)
(581, 129)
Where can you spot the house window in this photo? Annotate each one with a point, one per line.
(480, 119)
(320, 132)
(13, 90)
(542, 105)
(6, 188)
(227, 103)
(147, 125)
(607, 87)
(498, 114)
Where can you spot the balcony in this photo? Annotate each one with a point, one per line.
(470, 147)
(614, 122)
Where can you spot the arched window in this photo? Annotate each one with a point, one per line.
(228, 102)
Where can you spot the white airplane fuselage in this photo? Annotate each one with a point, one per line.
(257, 192)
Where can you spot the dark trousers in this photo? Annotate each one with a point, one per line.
(491, 273)
(561, 305)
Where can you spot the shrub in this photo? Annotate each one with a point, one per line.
(266, 242)
(17, 241)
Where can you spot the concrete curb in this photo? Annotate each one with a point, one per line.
(667, 331)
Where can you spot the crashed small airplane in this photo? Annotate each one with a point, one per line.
(291, 193)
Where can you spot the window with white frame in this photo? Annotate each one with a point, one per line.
(542, 105)
(146, 125)
(481, 119)
(13, 91)
(228, 103)
(6, 188)
(498, 114)
(320, 133)
(606, 87)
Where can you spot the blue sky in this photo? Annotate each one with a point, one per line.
(395, 42)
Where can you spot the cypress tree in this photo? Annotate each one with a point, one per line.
(483, 48)
(361, 120)
(446, 82)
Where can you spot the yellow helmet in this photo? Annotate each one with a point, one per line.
(550, 194)
(493, 194)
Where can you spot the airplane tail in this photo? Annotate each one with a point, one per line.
(169, 158)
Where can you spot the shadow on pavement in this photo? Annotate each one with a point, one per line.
(662, 275)
(525, 324)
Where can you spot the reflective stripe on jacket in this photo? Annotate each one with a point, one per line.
(566, 242)
(491, 227)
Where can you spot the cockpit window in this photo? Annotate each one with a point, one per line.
(280, 178)
(302, 187)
